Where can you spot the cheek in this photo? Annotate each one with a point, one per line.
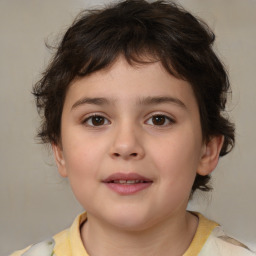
(82, 173)
(79, 167)
(177, 159)
(82, 152)
(83, 160)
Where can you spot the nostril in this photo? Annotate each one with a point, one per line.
(132, 154)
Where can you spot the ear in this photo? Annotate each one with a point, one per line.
(59, 159)
(210, 155)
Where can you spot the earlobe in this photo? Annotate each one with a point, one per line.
(59, 159)
(210, 155)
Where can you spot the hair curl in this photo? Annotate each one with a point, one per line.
(135, 29)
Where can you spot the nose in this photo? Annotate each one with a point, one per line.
(127, 144)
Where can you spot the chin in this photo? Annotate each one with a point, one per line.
(131, 221)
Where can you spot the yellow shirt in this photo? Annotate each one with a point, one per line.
(209, 240)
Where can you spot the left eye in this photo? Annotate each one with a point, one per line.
(96, 120)
(159, 120)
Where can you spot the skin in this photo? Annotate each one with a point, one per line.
(130, 139)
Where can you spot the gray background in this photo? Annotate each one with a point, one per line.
(35, 202)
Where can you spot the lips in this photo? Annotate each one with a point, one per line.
(121, 177)
(127, 183)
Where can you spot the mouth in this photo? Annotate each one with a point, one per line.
(127, 178)
(124, 182)
(127, 184)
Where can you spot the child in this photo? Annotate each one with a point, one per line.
(133, 105)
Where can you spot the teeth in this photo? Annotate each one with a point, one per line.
(131, 181)
(128, 181)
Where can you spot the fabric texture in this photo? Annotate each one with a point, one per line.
(209, 240)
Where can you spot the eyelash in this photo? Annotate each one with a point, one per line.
(90, 119)
(167, 120)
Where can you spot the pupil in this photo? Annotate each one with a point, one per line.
(97, 120)
(158, 120)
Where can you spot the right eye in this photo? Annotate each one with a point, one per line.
(160, 120)
(96, 120)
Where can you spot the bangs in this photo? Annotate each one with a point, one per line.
(98, 44)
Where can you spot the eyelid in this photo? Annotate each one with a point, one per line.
(91, 115)
(167, 116)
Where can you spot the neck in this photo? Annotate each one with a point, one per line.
(170, 237)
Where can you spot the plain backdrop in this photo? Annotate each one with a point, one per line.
(35, 202)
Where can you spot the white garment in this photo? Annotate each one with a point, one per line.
(218, 244)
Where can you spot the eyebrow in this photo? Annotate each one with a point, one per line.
(160, 100)
(144, 101)
(93, 101)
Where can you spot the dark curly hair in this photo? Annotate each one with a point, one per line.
(135, 29)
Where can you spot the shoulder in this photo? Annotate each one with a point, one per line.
(44, 248)
(210, 240)
(218, 243)
(47, 247)
(62, 244)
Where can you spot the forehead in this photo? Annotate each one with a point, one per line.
(123, 82)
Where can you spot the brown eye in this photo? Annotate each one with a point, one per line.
(160, 120)
(96, 121)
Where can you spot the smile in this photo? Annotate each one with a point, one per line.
(128, 181)
(127, 184)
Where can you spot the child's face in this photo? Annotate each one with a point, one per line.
(138, 121)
